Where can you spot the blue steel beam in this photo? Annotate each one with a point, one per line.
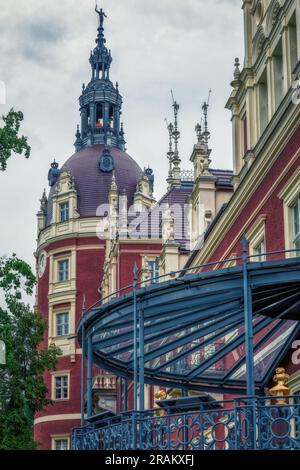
(266, 277)
(225, 350)
(183, 322)
(165, 327)
(169, 310)
(232, 319)
(229, 318)
(259, 343)
(288, 268)
(201, 345)
(163, 309)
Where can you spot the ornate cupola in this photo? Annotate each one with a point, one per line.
(100, 102)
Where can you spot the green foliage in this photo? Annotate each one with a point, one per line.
(22, 389)
(10, 142)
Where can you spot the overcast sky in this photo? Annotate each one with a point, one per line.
(157, 45)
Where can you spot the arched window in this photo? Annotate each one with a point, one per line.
(259, 42)
(111, 116)
(272, 15)
(99, 115)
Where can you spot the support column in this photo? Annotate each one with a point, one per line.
(90, 378)
(141, 359)
(125, 395)
(248, 314)
(135, 357)
(82, 373)
(120, 394)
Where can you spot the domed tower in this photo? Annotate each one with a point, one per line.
(70, 256)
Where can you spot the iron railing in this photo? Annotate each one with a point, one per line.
(255, 423)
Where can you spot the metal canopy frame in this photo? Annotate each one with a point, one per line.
(214, 331)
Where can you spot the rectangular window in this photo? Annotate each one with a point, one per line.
(293, 42)
(259, 250)
(62, 324)
(61, 444)
(154, 268)
(278, 74)
(61, 387)
(64, 212)
(63, 270)
(296, 224)
(263, 102)
(244, 134)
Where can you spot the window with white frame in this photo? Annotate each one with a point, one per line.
(278, 73)
(64, 212)
(61, 387)
(290, 196)
(296, 224)
(61, 443)
(62, 324)
(293, 42)
(259, 250)
(263, 102)
(257, 240)
(154, 269)
(63, 270)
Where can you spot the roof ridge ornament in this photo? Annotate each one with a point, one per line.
(102, 15)
(53, 173)
(170, 153)
(176, 136)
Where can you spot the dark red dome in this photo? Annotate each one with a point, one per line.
(93, 185)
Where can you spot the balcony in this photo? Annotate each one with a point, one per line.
(260, 423)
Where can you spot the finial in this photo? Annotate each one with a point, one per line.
(198, 130)
(78, 141)
(176, 136)
(44, 202)
(54, 164)
(53, 173)
(101, 14)
(170, 153)
(206, 133)
(114, 186)
(237, 71)
(236, 74)
(280, 390)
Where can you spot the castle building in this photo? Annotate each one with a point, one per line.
(99, 219)
(232, 316)
(265, 110)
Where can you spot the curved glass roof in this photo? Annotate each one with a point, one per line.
(194, 327)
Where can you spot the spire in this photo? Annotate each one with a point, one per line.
(100, 101)
(100, 39)
(206, 133)
(176, 136)
(170, 153)
(201, 153)
(100, 59)
(114, 186)
(78, 141)
(236, 74)
(44, 202)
